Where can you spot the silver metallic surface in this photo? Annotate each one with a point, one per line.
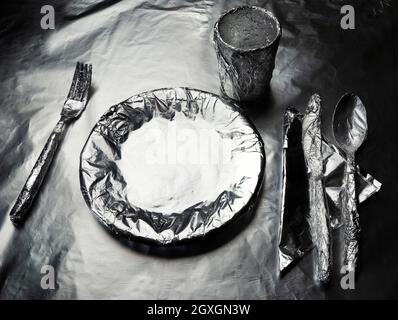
(73, 107)
(350, 125)
(295, 238)
(104, 183)
(350, 128)
(136, 46)
(318, 218)
(245, 73)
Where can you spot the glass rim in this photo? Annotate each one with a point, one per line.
(233, 10)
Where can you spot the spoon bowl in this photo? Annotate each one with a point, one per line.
(350, 123)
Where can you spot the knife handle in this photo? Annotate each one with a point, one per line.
(20, 211)
(319, 224)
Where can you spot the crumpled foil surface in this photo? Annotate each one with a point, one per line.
(297, 231)
(318, 217)
(245, 74)
(104, 186)
(136, 46)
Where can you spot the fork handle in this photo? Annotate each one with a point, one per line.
(20, 211)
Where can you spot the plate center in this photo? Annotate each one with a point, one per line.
(171, 165)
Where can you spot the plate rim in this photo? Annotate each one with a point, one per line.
(147, 240)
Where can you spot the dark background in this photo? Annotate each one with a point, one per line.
(141, 45)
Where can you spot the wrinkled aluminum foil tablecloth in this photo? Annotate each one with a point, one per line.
(136, 46)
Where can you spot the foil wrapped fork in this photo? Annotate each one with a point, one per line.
(73, 107)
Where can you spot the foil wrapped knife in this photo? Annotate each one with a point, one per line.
(318, 218)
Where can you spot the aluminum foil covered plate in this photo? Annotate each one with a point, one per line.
(170, 165)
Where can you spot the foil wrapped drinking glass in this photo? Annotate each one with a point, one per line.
(246, 40)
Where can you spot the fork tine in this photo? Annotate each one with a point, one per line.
(87, 84)
(78, 81)
(85, 81)
(80, 84)
(74, 81)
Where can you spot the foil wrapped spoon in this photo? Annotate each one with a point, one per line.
(350, 129)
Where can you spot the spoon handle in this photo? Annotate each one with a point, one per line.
(351, 217)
